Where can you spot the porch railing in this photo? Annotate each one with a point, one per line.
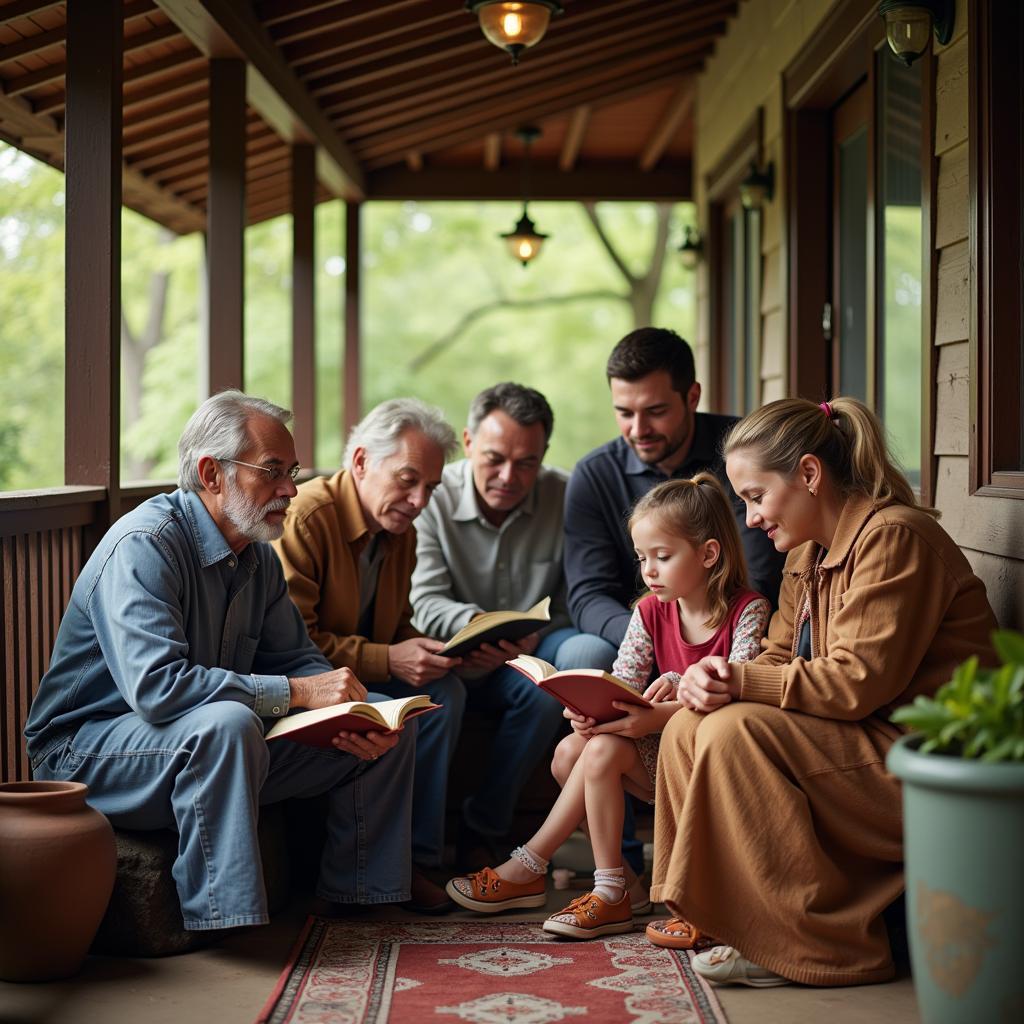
(45, 539)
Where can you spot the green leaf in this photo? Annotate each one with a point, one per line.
(1009, 645)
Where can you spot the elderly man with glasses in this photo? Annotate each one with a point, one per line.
(348, 551)
(178, 643)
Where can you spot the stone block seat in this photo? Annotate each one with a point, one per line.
(143, 917)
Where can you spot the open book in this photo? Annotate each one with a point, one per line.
(318, 727)
(490, 627)
(586, 691)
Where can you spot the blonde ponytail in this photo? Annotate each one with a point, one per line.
(844, 434)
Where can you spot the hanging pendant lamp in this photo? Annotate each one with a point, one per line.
(524, 240)
(514, 25)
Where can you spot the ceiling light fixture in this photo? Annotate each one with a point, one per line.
(514, 26)
(524, 240)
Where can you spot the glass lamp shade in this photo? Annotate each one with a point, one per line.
(524, 241)
(758, 187)
(514, 26)
(689, 251)
(908, 29)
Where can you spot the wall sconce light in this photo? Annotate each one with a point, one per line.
(524, 240)
(909, 25)
(758, 187)
(514, 26)
(691, 248)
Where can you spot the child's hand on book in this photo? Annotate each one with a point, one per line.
(580, 723)
(636, 721)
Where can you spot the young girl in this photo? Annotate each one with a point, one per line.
(691, 559)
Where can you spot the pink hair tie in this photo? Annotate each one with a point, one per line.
(826, 408)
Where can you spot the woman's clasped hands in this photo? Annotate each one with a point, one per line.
(707, 685)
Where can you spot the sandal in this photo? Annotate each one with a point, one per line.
(677, 933)
(588, 916)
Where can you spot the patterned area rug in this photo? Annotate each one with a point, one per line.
(482, 972)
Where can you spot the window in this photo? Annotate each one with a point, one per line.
(997, 366)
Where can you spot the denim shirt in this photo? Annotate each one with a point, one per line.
(164, 618)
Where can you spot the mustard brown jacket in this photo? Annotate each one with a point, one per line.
(324, 534)
(895, 607)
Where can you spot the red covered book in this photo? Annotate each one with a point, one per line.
(318, 727)
(585, 691)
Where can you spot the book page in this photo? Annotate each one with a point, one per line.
(536, 668)
(394, 711)
(488, 620)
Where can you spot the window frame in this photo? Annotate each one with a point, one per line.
(995, 323)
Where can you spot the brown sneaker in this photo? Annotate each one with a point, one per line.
(588, 916)
(485, 891)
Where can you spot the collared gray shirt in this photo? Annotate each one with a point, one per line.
(466, 565)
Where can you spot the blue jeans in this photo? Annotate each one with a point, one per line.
(205, 775)
(585, 650)
(435, 746)
(530, 720)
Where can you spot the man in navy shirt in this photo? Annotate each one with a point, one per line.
(655, 395)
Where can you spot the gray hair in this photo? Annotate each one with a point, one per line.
(380, 429)
(218, 429)
(522, 404)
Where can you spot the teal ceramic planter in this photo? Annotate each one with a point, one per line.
(963, 823)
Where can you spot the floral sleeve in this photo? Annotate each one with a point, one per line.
(746, 638)
(636, 654)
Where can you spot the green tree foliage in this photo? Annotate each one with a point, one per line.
(446, 313)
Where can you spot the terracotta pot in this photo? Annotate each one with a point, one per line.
(57, 866)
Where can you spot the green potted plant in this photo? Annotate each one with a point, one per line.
(962, 769)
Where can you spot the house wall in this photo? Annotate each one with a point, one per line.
(745, 73)
(989, 530)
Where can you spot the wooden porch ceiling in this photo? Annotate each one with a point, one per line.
(404, 99)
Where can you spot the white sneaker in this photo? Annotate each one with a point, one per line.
(727, 966)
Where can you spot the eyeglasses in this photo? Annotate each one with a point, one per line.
(275, 473)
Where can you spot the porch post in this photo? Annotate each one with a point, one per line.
(353, 315)
(92, 314)
(225, 218)
(303, 303)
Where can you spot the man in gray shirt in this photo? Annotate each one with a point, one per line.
(491, 540)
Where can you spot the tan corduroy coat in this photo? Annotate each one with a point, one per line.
(324, 534)
(778, 829)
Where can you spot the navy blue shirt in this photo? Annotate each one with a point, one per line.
(600, 565)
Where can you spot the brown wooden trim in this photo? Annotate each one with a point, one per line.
(92, 314)
(670, 182)
(929, 280)
(303, 189)
(313, 19)
(352, 384)
(225, 268)
(835, 57)
(676, 112)
(732, 166)
(807, 265)
(996, 249)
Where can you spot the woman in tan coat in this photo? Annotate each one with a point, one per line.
(778, 829)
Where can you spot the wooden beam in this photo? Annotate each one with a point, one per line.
(670, 183)
(303, 168)
(677, 111)
(27, 9)
(488, 103)
(225, 28)
(294, 25)
(92, 265)
(225, 269)
(492, 151)
(574, 137)
(607, 85)
(352, 404)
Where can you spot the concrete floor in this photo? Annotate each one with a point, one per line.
(229, 983)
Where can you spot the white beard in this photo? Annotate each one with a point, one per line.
(248, 516)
